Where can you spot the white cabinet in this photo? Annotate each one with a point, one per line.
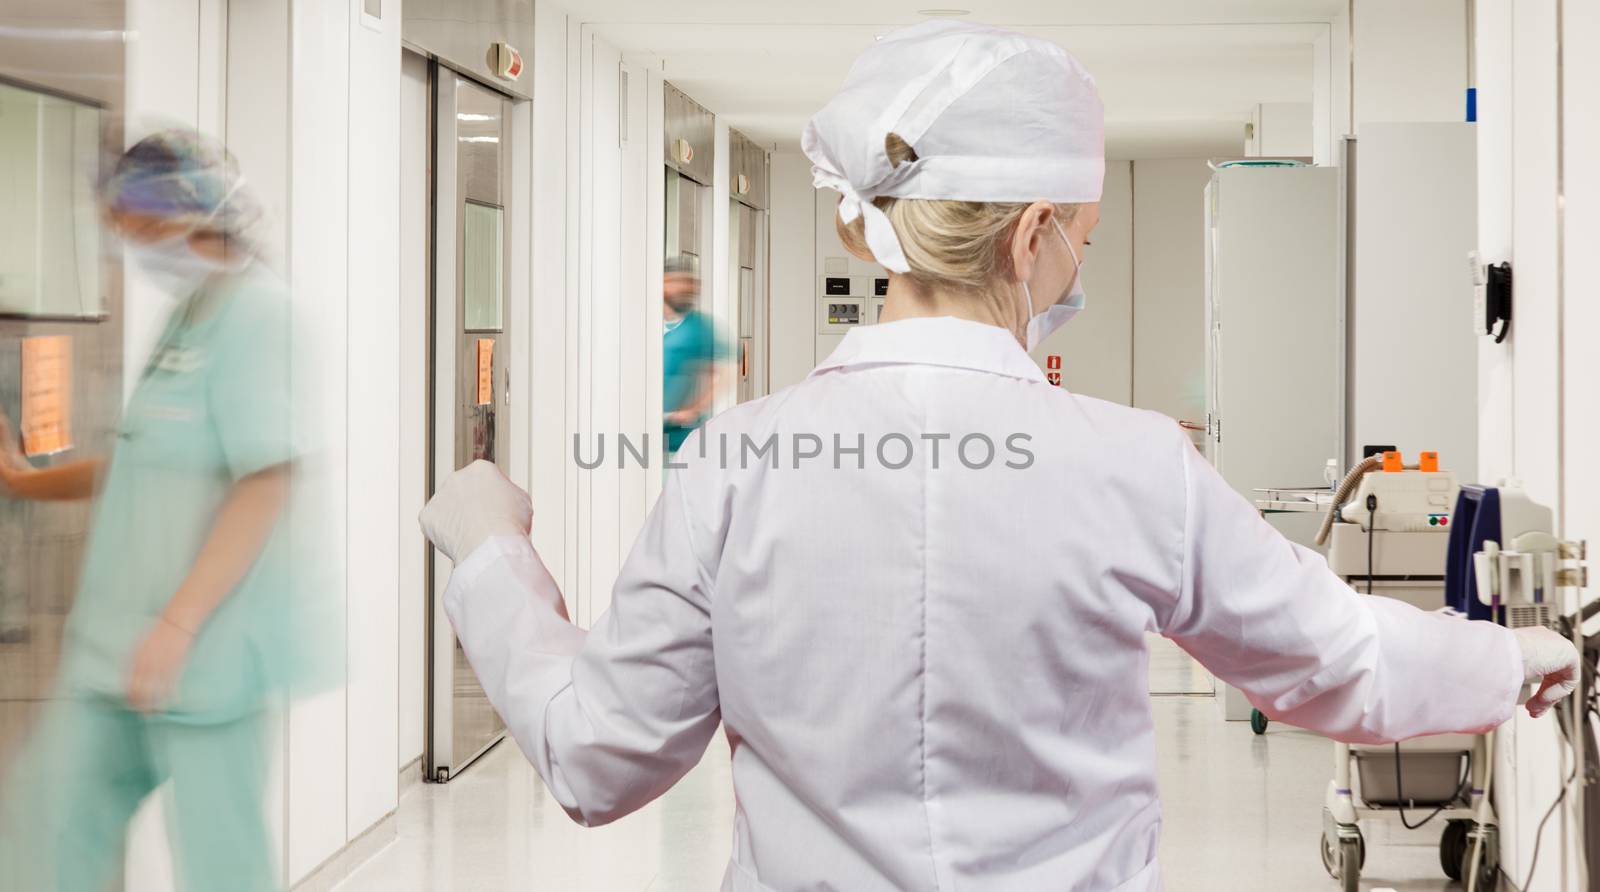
(1275, 329)
(1414, 380)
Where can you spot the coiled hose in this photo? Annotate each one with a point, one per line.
(1347, 487)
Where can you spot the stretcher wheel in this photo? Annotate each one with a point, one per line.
(1487, 870)
(1488, 876)
(1258, 721)
(1453, 848)
(1347, 853)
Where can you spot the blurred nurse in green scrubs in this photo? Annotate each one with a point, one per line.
(178, 641)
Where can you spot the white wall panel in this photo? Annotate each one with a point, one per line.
(635, 308)
(1414, 365)
(1330, 90)
(1410, 60)
(723, 301)
(1284, 130)
(548, 433)
(1169, 355)
(793, 308)
(1533, 86)
(318, 255)
(1496, 131)
(601, 321)
(575, 580)
(1580, 287)
(372, 415)
(1580, 275)
(655, 249)
(616, 356)
(411, 439)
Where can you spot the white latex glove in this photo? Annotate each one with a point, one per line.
(1550, 661)
(474, 504)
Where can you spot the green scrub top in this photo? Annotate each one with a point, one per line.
(211, 406)
(689, 347)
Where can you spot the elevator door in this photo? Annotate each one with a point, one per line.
(471, 346)
(685, 218)
(747, 240)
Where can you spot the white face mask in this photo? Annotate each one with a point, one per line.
(171, 264)
(1045, 323)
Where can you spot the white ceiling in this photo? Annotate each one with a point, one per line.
(1179, 77)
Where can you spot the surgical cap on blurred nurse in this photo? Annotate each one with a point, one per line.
(922, 620)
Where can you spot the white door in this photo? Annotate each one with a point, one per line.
(1277, 330)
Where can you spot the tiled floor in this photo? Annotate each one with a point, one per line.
(1173, 672)
(1242, 814)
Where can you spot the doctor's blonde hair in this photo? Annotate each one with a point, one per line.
(954, 246)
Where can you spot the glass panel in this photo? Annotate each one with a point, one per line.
(49, 223)
(481, 259)
(673, 197)
(747, 302)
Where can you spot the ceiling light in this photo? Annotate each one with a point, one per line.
(478, 139)
(473, 116)
(944, 13)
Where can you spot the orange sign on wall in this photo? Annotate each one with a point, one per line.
(485, 371)
(46, 394)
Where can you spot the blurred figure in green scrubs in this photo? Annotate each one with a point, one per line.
(690, 353)
(178, 644)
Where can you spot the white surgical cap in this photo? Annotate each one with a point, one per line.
(993, 115)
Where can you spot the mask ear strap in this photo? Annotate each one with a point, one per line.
(1029, 291)
(1077, 265)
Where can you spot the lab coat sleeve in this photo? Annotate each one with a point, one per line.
(1269, 617)
(613, 717)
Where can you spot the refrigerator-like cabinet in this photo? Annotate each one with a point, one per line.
(1275, 299)
(1275, 308)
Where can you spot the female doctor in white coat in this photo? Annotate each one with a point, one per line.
(929, 652)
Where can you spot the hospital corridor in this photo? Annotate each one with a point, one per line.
(627, 446)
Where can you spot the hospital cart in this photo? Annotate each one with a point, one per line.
(1387, 533)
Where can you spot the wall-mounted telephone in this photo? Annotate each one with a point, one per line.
(1491, 298)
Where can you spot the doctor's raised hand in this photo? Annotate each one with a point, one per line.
(475, 504)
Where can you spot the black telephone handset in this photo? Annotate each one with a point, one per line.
(1497, 301)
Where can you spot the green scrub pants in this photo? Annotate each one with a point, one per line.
(90, 764)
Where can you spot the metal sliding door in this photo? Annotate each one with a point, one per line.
(684, 217)
(748, 241)
(747, 253)
(61, 320)
(471, 393)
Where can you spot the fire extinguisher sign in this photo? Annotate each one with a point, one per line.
(1052, 365)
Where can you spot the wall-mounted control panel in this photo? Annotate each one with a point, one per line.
(845, 302)
(841, 314)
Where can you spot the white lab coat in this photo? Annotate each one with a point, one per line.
(935, 678)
